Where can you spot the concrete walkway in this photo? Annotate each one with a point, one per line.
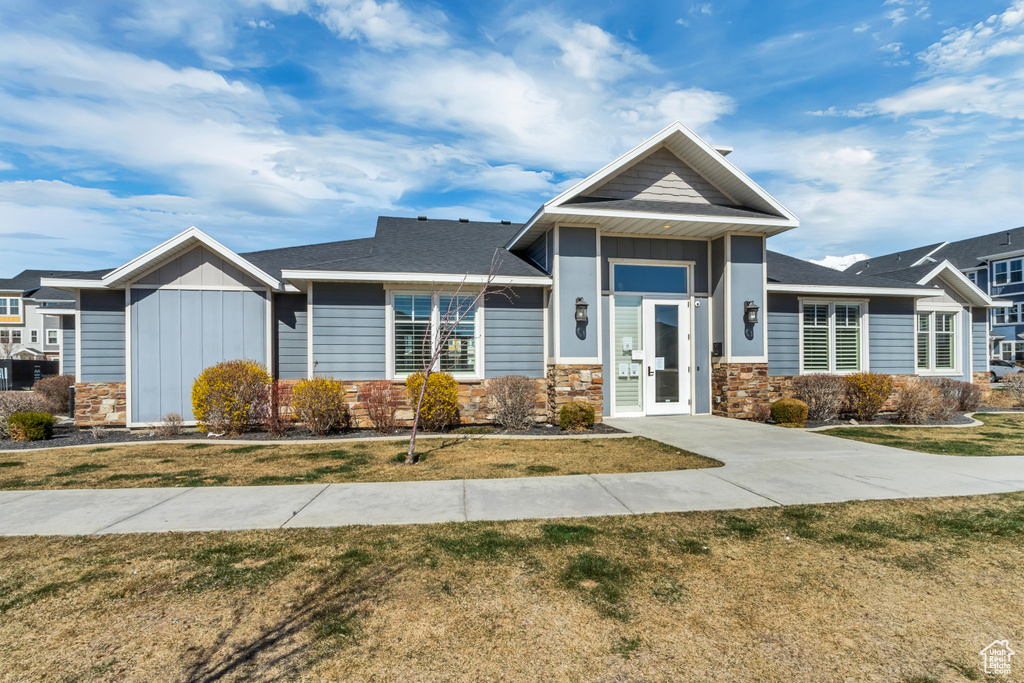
(764, 466)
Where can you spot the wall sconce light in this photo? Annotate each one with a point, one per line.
(581, 310)
(750, 312)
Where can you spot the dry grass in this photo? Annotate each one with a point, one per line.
(1000, 398)
(141, 465)
(886, 591)
(1000, 435)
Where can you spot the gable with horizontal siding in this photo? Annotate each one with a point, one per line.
(661, 176)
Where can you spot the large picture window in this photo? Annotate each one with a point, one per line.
(417, 320)
(936, 341)
(832, 338)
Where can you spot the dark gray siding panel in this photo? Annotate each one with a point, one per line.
(577, 277)
(68, 343)
(103, 336)
(514, 334)
(747, 284)
(979, 340)
(176, 334)
(608, 357)
(538, 252)
(291, 347)
(657, 249)
(718, 290)
(349, 331)
(891, 335)
(701, 356)
(783, 322)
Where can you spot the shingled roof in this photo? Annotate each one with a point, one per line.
(963, 254)
(783, 269)
(27, 282)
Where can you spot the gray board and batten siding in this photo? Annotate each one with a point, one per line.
(890, 335)
(577, 274)
(177, 333)
(102, 336)
(199, 267)
(746, 283)
(349, 330)
(514, 333)
(67, 351)
(291, 343)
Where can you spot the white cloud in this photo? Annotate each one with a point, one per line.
(593, 54)
(383, 25)
(966, 49)
(839, 262)
(701, 8)
(999, 97)
(896, 16)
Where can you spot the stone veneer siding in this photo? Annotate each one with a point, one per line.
(567, 383)
(473, 403)
(101, 403)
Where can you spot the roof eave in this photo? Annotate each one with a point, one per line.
(306, 276)
(849, 290)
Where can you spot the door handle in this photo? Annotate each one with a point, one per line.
(650, 371)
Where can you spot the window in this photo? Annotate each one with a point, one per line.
(1012, 352)
(33, 336)
(51, 337)
(1009, 272)
(1011, 315)
(936, 341)
(831, 337)
(417, 320)
(10, 336)
(10, 306)
(973, 276)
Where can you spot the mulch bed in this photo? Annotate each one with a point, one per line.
(70, 435)
(889, 420)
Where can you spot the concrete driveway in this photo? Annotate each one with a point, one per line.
(764, 466)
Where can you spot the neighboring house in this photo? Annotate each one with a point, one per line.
(645, 289)
(993, 262)
(30, 325)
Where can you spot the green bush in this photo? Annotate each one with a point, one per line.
(576, 416)
(440, 399)
(319, 403)
(231, 397)
(31, 426)
(867, 392)
(789, 411)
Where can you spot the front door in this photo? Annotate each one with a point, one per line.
(666, 369)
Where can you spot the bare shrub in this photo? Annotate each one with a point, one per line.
(761, 412)
(823, 394)
(98, 432)
(917, 401)
(382, 398)
(319, 403)
(12, 402)
(970, 397)
(966, 395)
(1015, 387)
(272, 421)
(55, 392)
(946, 409)
(512, 399)
(171, 426)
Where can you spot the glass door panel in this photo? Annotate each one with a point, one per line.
(666, 356)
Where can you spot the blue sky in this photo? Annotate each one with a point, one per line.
(269, 123)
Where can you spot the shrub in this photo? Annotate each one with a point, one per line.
(823, 394)
(916, 402)
(231, 397)
(382, 398)
(512, 399)
(867, 392)
(789, 411)
(761, 412)
(576, 416)
(946, 409)
(272, 421)
(98, 432)
(965, 395)
(12, 402)
(172, 424)
(55, 393)
(31, 426)
(440, 399)
(319, 403)
(1015, 387)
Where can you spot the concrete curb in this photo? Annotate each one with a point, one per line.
(972, 423)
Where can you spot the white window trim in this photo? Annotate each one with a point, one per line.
(958, 340)
(56, 337)
(33, 336)
(864, 354)
(7, 299)
(1008, 281)
(435, 316)
(1019, 307)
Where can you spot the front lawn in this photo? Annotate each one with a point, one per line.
(1002, 434)
(880, 590)
(200, 464)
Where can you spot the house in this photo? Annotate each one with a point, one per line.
(30, 316)
(994, 262)
(645, 289)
